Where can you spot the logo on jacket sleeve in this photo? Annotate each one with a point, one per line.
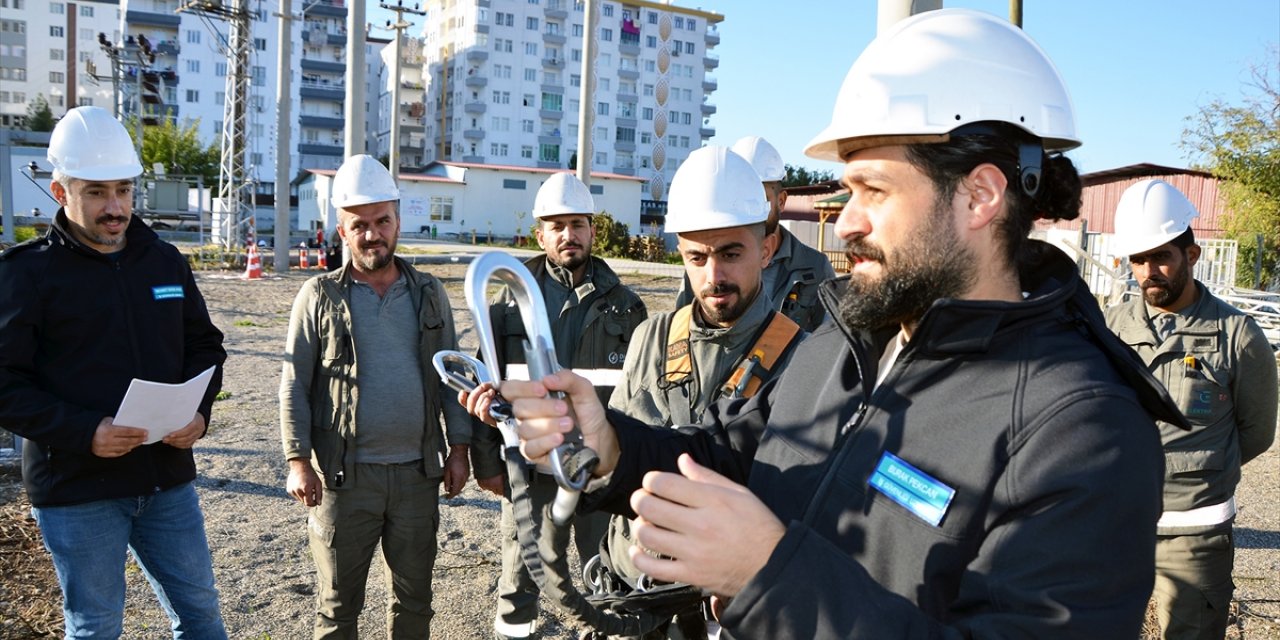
(168, 292)
(917, 491)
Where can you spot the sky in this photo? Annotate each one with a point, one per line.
(1136, 69)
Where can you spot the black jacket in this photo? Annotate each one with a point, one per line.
(1032, 412)
(76, 326)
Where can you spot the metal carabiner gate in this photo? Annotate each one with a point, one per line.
(571, 462)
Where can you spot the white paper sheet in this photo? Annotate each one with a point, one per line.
(162, 408)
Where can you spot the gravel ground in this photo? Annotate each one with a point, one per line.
(258, 535)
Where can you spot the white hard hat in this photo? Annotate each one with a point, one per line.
(90, 144)
(715, 188)
(563, 194)
(763, 158)
(363, 180)
(1150, 213)
(940, 70)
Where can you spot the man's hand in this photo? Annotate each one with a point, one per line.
(186, 437)
(456, 469)
(493, 484)
(304, 484)
(111, 441)
(477, 402)
(714, 533)
(542, 421)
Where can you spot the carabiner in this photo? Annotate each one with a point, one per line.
(571, 462)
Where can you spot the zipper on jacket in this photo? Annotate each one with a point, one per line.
(834, 462)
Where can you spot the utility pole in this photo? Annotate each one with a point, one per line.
(889, 12)
(284, 42)
(355, 132)
(586, 102)
(1015, 13)
(399, 26)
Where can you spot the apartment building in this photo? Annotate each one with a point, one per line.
(503, 81)
(187, 82)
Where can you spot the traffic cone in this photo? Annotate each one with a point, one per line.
(321, 261)
(253, 266)
(302, 257)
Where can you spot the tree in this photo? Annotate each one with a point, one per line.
(800, 176)
(612, 237)
(178, 149)
(39, 115)
(1240, 144)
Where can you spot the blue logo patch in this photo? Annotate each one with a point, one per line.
(167, 292)
(912, 488)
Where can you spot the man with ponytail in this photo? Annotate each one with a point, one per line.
(966, 450)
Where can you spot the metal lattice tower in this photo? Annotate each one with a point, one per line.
(234, 183)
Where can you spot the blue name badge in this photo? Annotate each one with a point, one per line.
(912, 488)
(167, 292)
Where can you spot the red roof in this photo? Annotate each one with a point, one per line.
(1102, 191)
(410, 177)
(508, 167)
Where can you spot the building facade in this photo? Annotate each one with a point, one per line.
(503, 82)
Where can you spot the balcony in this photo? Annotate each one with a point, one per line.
(555, 10)
(477, 55)
(708, 108)
(551, 114)
(625, 121)
(482, 3)
(709, 84)
(482, 28)
(134, 17)
(327, 8)
(326, 66)
(549, 137)
(713, 37)
(628, 49)
(626, 97)
(553, 88)
(168, 48)
(629, 74)
(411, 125)
(553, 63)
(707, 132)
(553, 38)
(321, 122)
(475, 107)
(473, 159)
(477, 81)
(323, 89)
(628, 170)
(319, 149)
(473, 134)
(624, 145)
(710, 62)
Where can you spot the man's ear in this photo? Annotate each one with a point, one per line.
(59, 192)
(1193, 254)
(770, 245)
(982, 192)
(782, 200)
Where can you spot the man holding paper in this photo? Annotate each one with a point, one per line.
(92, 305)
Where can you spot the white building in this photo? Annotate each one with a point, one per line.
(503, 82)
(51, 47)
(458, 199)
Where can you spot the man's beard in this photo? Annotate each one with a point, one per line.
(1167, 292)
(725, 314)
(572, 262)
(104, 239)
(370, 262)
(932, 264)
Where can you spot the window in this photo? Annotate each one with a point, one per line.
(625, 134)
(688, 48)
(85, 34)
(193, 37)
(679, 22)
(602, 134)
(58, 8)
(54, 31)
(605, 60)
(502, 71)
(502, 97)
(551, 77)
(57, 77)
(575, 55)
(220, 69)
(500, 124)
(684, 141)
(573, 105)
(602, 108)
(577, 30)
(220, 98)
(86, 11)
(647, 113)
(255, 159)
(606, 35)
(85, 102)
(531, 23)
(602, 158)
(554, 28)
(526, 152)
(549, 152)
(604, 84)
(651, 42)
(259, 76)
(653, 17)
(502, 45)
(442, 208)
(608, 11)
(526, 126)
(686, 118)
(691, 24)
(575, 80)
(626, 109)
(498, 149)
(260, 44)
(503, 19)
(552, 101)
(86, 56)
(193, 66)
(528, 100)
(513, 184)
(57, 54)
(531, 75)
(646, 137)
(650, 65)
(648, 90)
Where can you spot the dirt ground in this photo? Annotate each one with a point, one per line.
(258, 536)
